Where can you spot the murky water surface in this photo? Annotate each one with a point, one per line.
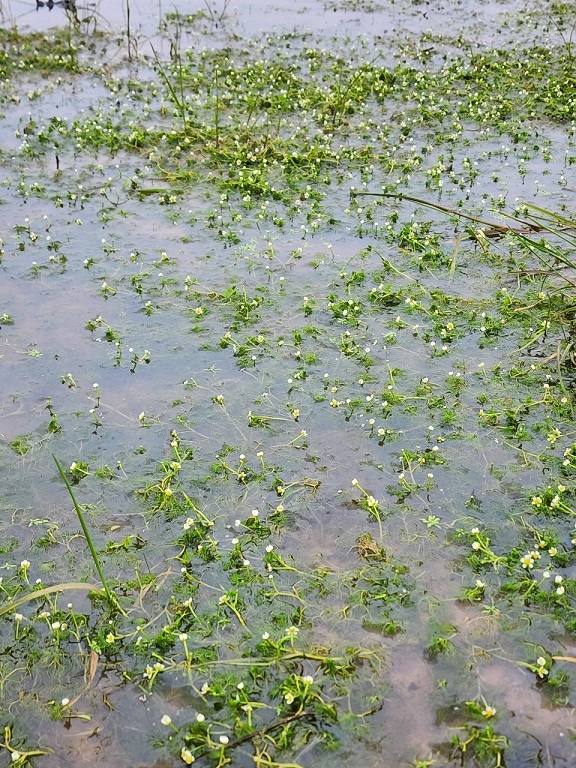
(198, 335)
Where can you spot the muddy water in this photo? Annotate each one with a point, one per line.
(125, 236)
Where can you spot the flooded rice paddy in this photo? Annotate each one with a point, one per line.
(287, 291)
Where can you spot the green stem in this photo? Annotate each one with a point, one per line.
(494, 228)
(109, 594)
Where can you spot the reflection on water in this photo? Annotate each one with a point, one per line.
(341, 18)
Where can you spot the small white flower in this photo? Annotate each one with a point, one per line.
(187, 756)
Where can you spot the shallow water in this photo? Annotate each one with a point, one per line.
(90, 239)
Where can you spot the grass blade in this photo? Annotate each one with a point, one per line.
(109, 594)
(38, 593)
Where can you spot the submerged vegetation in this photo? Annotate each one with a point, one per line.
(295, 313)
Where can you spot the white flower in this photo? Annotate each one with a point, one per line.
(187, 756)
(166, 720)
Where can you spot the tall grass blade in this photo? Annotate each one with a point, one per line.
(109, 594)
(38, 593)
